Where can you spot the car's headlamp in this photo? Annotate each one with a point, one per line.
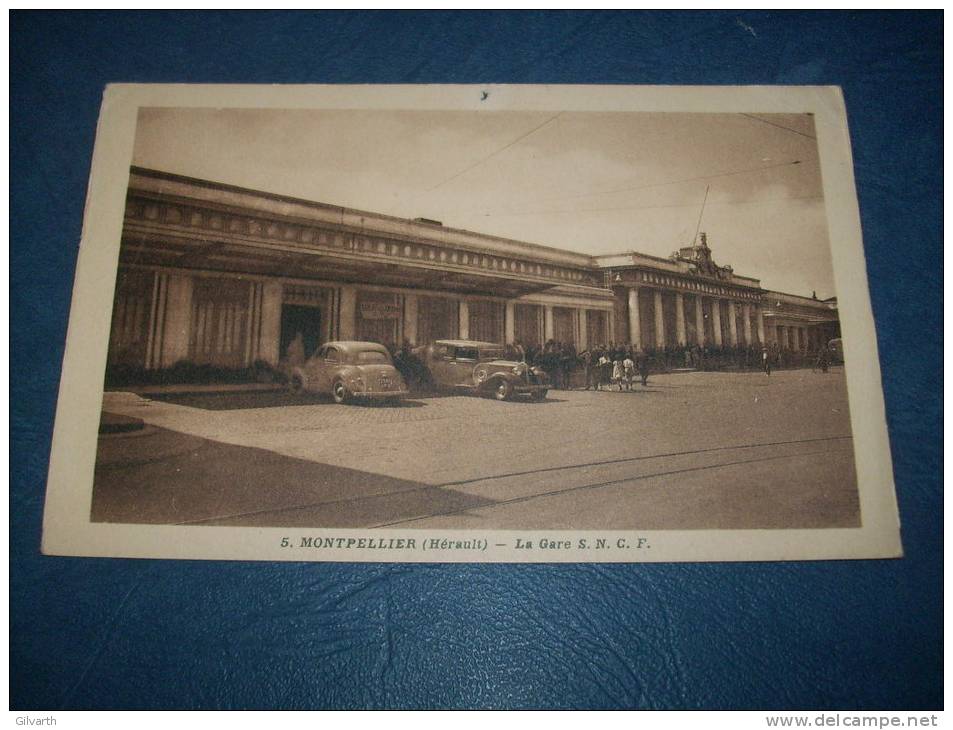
(519, 369)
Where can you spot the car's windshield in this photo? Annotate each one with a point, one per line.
(370, 357)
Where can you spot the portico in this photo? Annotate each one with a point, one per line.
(685, 300)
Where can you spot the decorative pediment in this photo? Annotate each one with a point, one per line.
(700, 262)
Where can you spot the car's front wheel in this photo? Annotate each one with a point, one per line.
(339, 392)
(539, 394)
(503, 390)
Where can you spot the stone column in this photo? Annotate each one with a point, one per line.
(699, 320)
(347, 328)
(680, 318)
(270, 335)
(732, 323)
(177, 320)
(760, 321)
(548, 328)
(796, 337)
(635, 322)
(583, 342)
(659, 320)
(509, 322)
(251, 326)
(410, 318)
(746, 322)
(716, 320)
(464, 320)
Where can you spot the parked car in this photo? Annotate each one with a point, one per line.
(350, 370)
(480, 367)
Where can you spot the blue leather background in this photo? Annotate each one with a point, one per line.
(158, 634)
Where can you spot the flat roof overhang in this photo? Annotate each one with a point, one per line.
(295, 262)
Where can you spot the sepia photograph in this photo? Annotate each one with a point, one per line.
(491, 331)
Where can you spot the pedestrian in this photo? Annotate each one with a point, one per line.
(520, 351)
(628, 366)
(618, 373)
(765, 361)
(642, 362)
(551, 362)
(604, 365)
(567, 363)
(295, 352)
(586, 359)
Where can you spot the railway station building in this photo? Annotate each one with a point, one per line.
(218, 275)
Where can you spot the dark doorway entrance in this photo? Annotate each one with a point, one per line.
(306, 321)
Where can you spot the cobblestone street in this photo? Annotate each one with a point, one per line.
(692, 450)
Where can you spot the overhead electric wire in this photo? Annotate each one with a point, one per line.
(670, 182)
(651, 207)
(493, 154)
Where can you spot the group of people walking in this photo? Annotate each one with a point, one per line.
(617, 365)
(614, 367)
(602, 365)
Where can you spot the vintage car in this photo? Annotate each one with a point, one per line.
(350, 370)
(480, 367)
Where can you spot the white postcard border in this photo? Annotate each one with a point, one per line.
(67, 529)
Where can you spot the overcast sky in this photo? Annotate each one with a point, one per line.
(590, 182)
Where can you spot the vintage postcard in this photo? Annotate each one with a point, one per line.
(471, 323)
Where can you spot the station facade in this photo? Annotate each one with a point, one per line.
(224, 276)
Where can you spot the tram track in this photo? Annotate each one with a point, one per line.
(494, 503)
(628, 479)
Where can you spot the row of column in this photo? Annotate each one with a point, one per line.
(509, 323)
(348, 304)
(635, 320)
(168, 322)
(794, 338)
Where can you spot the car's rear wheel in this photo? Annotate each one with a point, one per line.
(503, 390)
(339, 392)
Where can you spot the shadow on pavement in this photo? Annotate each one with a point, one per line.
(165, 477)
(271, 399)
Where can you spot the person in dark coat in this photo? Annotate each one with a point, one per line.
(585, 357)
(567, 363)
(642, 363)
(824, 358)
(603, 367)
